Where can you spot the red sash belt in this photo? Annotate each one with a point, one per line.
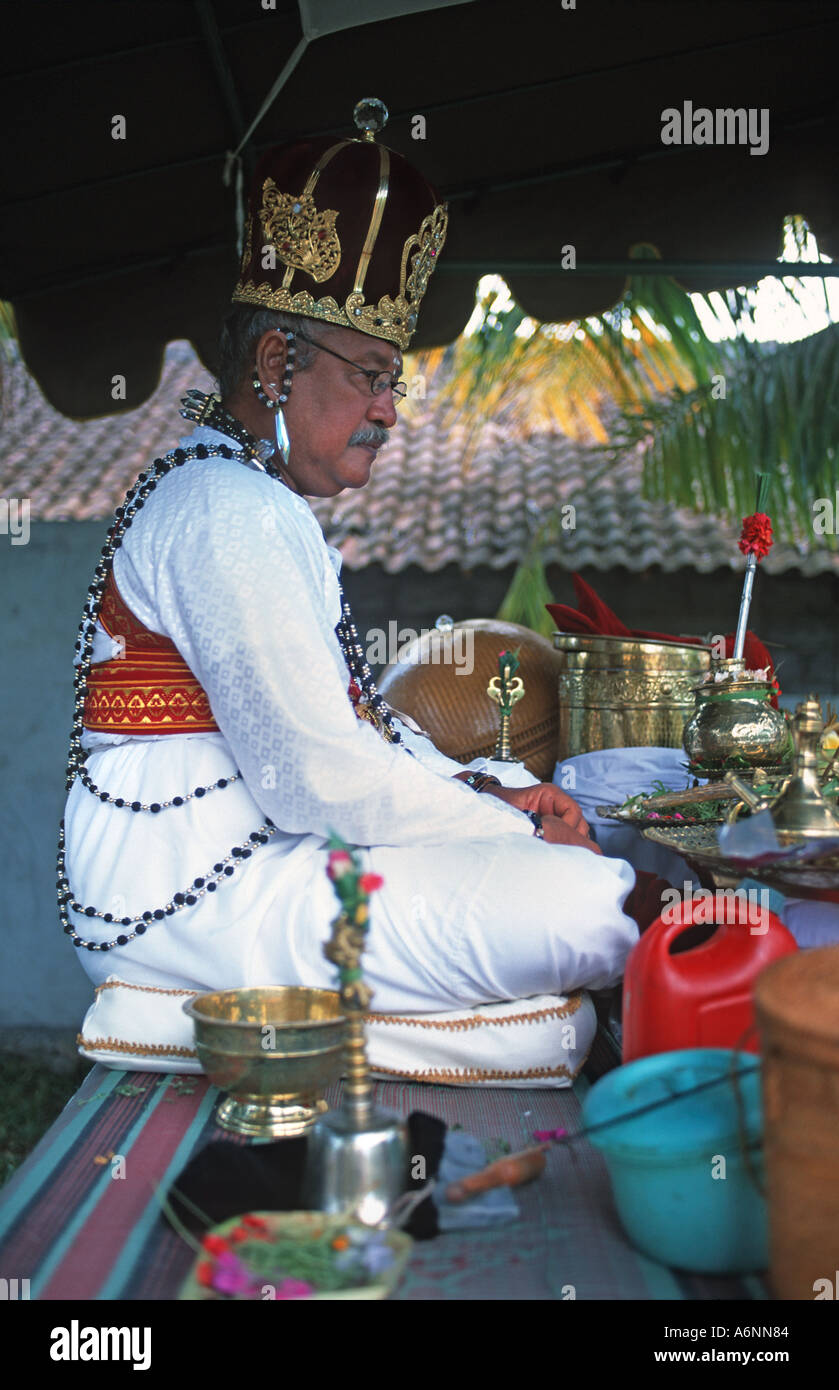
(149, 688)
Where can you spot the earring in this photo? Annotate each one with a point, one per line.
(261, 395)
(283, 441)
(291, 353)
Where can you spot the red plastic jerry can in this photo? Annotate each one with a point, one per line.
(678, 994)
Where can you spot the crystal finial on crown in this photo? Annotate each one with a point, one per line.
(370, 116)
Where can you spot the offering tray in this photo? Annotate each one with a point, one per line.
(801, 869)
(691, 806)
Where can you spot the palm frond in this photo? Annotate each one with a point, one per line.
(779, 413)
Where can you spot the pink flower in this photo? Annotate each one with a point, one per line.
(339, 863)
(294, 1288)
(371, 883)
(230, 1275)
(547, 1136)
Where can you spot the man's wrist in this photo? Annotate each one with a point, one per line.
(479, 781)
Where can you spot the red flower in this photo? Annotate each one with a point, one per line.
(371, 883)
(256, 1223)
(215, 1245)
(204, 1274)
(756, 537)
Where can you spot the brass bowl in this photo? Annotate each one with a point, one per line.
(275, 1049)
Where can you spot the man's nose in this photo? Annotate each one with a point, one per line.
(382, 410)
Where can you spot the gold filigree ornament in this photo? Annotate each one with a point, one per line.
(303, 238)
(392, 319)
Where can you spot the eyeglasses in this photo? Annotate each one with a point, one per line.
(379, 381)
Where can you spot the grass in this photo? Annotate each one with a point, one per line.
(31, 1097)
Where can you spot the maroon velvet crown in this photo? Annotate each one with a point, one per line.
(346, 231)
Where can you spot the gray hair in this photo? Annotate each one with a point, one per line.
(240, 333)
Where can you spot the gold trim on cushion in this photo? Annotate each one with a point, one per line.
(144, 989)
(466, 1024)
(135, 1049)
(449, 1077)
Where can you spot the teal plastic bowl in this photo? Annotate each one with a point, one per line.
(679, 1177)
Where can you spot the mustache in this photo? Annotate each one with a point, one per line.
(374, 435)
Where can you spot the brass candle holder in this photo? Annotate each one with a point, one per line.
(505, 690)
(357, 1155)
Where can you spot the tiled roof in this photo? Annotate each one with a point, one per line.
(420, 507)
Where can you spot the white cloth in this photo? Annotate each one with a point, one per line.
(233, 567)
(812, 923)
(610, 775)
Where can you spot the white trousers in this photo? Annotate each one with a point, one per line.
(457, 924)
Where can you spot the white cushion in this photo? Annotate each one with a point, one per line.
(542, 1041)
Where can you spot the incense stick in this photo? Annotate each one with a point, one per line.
(658, 1104)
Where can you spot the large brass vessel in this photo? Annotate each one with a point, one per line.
(619, 692)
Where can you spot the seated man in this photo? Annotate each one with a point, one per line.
(217, 739)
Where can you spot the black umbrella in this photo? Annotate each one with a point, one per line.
(542, 123)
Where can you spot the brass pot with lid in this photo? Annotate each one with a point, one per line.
(735, 721)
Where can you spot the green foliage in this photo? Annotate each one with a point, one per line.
(31, 1097)
(779, 414)
(524, 601)
(709, 416)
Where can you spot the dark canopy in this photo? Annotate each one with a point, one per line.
(542, 128)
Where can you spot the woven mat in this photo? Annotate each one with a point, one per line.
(77, 1232)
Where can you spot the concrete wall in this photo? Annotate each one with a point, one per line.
(43, 586)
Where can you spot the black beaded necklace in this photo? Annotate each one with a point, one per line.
(210, 412)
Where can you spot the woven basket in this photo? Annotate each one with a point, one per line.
(797, 1008)
(618, 692)
(455, 709)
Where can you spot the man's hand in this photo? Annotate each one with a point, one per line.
(549, 801)
(558, 832)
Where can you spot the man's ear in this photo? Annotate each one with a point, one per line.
(271, 355)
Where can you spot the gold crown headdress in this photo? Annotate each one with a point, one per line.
(351, 216)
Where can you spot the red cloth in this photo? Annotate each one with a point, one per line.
(595, 618)
(645, 903)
